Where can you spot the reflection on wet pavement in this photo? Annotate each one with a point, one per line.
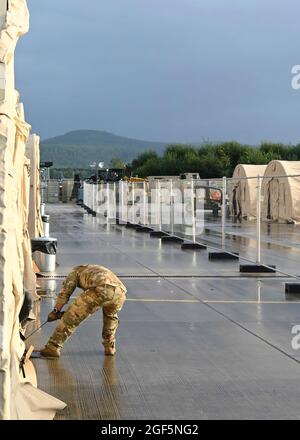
(196, 340)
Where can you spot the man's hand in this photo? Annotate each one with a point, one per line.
(55, 315)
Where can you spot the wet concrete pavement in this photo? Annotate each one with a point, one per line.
(280, 243)
(196, 340)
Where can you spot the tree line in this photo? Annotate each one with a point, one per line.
(209, 160)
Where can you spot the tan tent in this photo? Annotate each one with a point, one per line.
(21, 165)
(19, 397)
(35, 224)
(281, 194)
(243, 190)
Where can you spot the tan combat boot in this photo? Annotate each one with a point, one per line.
(110, 350)
(49, 351)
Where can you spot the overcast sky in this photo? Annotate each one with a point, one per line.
(167, 70)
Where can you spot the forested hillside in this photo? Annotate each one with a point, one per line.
(78, 149)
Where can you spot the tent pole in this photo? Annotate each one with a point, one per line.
(107, 202)
(122, 207)
(193, 211)
(224, 210)
(115, 203)
(133, 202)
(171, 208)
(159, 206)
(258, 221)
(145, 203)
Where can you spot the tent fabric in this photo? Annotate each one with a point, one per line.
(16, 24)
(34, 404)
(18, 396)
(281, 194)
(10, 345)
(7, 304)
(243, 192)
(29, 274)
(22, 134)
(27, 401)
(35, 224)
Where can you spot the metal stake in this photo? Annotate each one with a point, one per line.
(36, 330)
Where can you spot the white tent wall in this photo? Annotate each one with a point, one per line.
(29, 274)
(22, 168)
(19, 397)
(35, 225)
(281, 194)
(10, 284)
(243, 190)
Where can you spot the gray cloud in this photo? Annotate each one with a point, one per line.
(162, 69)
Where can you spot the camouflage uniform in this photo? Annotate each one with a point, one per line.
(101, 288)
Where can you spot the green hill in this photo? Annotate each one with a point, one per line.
(78, 149)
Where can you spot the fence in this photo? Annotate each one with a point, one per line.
(56, 191)
(251, 219)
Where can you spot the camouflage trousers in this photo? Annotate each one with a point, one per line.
(110, 298)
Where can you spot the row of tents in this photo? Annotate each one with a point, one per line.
(280, 194)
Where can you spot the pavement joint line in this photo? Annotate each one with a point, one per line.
(247, 330)
(177, 277)
(250, 332)
(162, 300)
(154, 272)
(230, 234)
(218, 248)
(248, 302)
(215, 309)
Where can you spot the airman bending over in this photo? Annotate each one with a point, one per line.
(101, 288)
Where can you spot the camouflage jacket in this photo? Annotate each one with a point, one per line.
(86, 277)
